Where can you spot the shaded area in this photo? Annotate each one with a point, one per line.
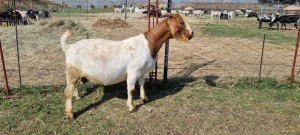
(161, 89)
(210, 80)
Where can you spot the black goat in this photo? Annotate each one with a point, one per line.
(10, 17)
(264, 18)
(32, 14)
(251, 14)
(286, 19)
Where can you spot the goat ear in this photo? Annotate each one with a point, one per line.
(177, 34)
(169, 15)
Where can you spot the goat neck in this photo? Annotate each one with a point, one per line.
(156, 36)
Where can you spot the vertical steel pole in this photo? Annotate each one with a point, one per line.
(87, 17)
(165, 78)
(261, 59)
(17, 41)
(148, 17)
(157, 10)
(4, 70)
(295, 58)
(125, 10)
(148, 14)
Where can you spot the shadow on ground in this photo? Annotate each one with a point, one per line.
(160, 90)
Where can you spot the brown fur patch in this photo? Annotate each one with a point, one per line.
(168, 28)
(73, 75)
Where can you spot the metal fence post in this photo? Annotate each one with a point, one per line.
(4, 70)
(165, 78)
(295, 58)
(261, 58)
(17, 42)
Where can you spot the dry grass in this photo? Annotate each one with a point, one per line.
(192, 102)
(228, 58)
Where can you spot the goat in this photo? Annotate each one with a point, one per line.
(214, 14)
(251, 14)
(163, 12)
(5, 16)
(231, 15)
(286, 19)
(131, 9)
(185, 12)
(32, 14)
(199, 13)
(139, 10)
(25, 18)
(264, 18)
(107, 62)
(117, 10)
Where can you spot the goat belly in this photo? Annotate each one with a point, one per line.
(103, 73)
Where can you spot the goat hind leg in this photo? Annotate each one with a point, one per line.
(142, 90)
(72, 80)
(75, 93)
(68, 100)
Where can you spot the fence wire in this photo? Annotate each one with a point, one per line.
(220, 58)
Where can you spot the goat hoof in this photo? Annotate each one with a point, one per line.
(69, 116)
(133, 110)
(145, 101)
(77, 98)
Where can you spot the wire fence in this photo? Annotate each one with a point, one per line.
(208, 57)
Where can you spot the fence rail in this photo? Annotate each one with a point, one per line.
(224, 58)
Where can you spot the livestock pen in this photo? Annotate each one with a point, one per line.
(212, 85)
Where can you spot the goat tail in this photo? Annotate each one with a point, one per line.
(64, 39)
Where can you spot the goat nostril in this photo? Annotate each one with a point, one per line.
(192, 33)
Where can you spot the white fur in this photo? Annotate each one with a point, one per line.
(117, 10)
(139, 10)
(110, 62)
(107, 62)
(199, 13)
(215, 14)
(231, 15)
(25, 17)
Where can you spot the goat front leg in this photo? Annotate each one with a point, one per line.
(130, 90)
(142, 90)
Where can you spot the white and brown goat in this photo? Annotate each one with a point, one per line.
(106, 62)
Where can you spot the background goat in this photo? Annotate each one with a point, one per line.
(286, 19)
(107, 62)
(264, 18)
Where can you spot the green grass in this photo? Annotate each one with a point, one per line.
(179, 106)
(249, 31)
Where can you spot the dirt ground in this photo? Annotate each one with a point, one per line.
(221, 59)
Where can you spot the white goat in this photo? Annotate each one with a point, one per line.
(107, 62)
(131, 9)
(118, 10)
(231, 15)
(199, 13)
(185, 12)
(215, 14)
(163, 12)
(139, 10)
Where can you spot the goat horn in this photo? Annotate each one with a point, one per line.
(169, 15)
